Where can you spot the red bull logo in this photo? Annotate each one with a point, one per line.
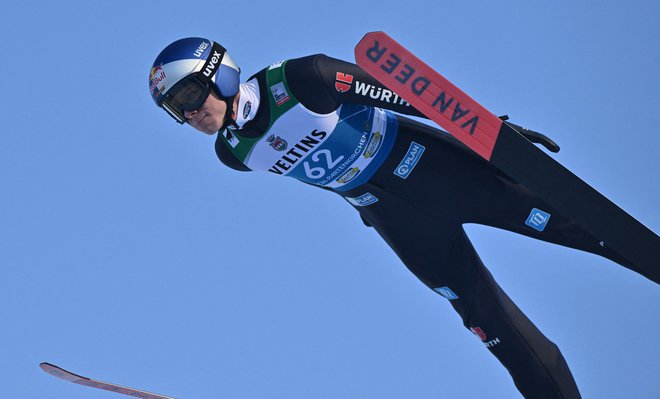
(156, 76)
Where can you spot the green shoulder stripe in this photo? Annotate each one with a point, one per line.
(280, 100)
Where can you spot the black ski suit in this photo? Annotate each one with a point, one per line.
(427, 186)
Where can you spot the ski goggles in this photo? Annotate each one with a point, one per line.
(190, 93)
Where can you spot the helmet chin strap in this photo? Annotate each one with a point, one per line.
(229, 120)
(229, 114)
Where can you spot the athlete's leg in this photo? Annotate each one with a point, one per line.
(439, 253)
(516, 209)
(452, 182)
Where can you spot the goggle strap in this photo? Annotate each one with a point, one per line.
(210, 68)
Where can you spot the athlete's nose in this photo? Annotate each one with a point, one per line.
(189, 114)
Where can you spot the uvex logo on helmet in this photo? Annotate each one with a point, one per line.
(200, 49)
(210, 68)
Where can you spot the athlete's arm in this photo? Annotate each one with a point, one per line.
(323, 83)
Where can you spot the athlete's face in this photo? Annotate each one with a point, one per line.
(208, 119)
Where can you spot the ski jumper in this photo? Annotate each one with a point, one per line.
(328, 123)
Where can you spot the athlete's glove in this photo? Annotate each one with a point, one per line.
(534, 137)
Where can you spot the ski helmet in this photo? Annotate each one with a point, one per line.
(185, 73)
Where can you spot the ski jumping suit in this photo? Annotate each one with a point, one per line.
(328, 123)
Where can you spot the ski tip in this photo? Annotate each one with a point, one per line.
(47, 367)
(375, 33)
(370, 35)
(59, 372)
(370, 42)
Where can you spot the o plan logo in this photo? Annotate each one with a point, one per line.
(365, 199)
(410, 160)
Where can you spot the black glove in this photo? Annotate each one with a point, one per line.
(534, 137)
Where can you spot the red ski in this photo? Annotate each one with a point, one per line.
(508, 150)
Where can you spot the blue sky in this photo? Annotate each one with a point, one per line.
(130, 254)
